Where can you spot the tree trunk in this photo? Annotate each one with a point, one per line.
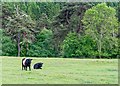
(100, 48)
(113, 32)
(18, 43)
(26, 49)
(67, 18)
(100, 45)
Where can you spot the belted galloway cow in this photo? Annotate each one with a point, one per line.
(26, 62)
(38, 65)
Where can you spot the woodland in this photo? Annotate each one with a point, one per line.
(60, 29)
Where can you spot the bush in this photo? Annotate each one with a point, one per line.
(78, 46)
(8, 47)
(42, 47)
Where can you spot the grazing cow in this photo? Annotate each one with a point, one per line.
(26, 62)
(38, 65)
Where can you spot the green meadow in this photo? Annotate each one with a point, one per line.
(61, 71)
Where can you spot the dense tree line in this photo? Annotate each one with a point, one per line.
(52, 29)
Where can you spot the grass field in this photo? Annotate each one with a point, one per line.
(61, 71)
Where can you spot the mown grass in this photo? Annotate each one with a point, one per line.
(61, 71)
(0, 71)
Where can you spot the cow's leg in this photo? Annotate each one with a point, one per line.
(26, 68)
(23, 67)
(29, 68)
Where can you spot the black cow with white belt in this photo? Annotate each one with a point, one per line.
(26, 62)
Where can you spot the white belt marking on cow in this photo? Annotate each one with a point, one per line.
(24, 61)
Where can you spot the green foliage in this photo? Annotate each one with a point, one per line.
(43, 22)
(68, 20)
(7, 11)
(1, 41)
(20, 27)
(54, 29)
(78, 46)
(101, 24)
(49, 8)
(42, 47)
(70, 45)
(87, 46)
(118, 10)
(8, 46)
